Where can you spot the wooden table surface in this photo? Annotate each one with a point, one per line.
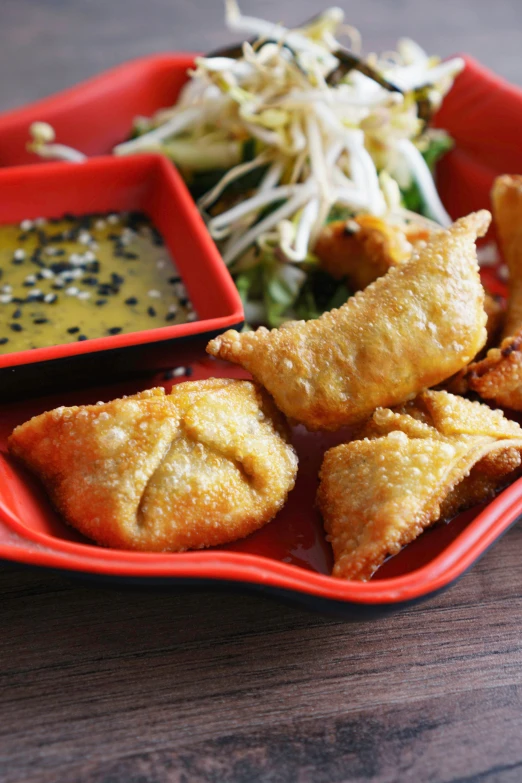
(133, 687)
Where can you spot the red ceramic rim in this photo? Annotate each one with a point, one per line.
(482, 532)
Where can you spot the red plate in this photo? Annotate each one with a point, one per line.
(289, 558)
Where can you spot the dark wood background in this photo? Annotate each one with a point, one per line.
(102, 686)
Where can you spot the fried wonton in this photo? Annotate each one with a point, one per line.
(499, 375)
(412, 467)
(363, 249)
(204, 465)
(409, 330)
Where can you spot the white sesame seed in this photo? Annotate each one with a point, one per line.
(154, 293)
(94, 245)
(7, 289)
(77, 273)
(30, 279)
(89, 256)
(72, 291)
(180, 290)
(177, 372)
(19, 254)
(51, 251)
(50, 298)
(161, 264)
(84, 295)
(26, 225)
(76, 259)
(34, 293)
(173, 308)
(67, 276)
(47, 273)
(84, 238)
(503, 272)
(192, 316)
(113, 219)
(58, 283)
(5, 298)
(100, 225)
(39, 222)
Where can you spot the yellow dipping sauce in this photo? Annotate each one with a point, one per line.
(83, 277)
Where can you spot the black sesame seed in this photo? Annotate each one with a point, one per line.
(90, 280)
(73, 330)
(93, 266)
(114, 237)
(41, 321)
(189, 371)
(152, 312)
(173, 280)
(60, 266)
(59, 252)
(17, 313)
(42, 236)
(114, 330)
(183, 300)
(16, 327)
(18, 300)
(81, 338)
(129, 255)
(3, 340)
(119, 253)
(22, 237)
(100, 302)
(170, 316)
(29, 283)
(131, 301)
(117, 279)
(17, 261)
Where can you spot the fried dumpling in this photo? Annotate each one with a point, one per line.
(204, 465)
(409, 468)
(499, 375)
(364, 248)
(409, 330)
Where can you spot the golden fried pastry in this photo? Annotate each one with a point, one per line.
(204, 465)
(363, 249)
(411, 467)
(409, 330)
(506, 197)
(498, 376)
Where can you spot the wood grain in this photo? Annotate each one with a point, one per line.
(134, 686)
(100, 686)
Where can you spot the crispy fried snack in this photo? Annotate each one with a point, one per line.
(413, 466)
(204, 465)
(420, 323)
(499, 375)
(506, 197)
(363, 249)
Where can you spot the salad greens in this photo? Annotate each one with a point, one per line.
(287, 132)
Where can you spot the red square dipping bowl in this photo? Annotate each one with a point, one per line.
(146, 183)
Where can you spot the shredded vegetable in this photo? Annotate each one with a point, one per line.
(288, 132)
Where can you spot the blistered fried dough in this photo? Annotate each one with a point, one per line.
(411, 468)
(420, 323)
(506, 197)
(499, 375)
(204, 465)
(363, 249)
